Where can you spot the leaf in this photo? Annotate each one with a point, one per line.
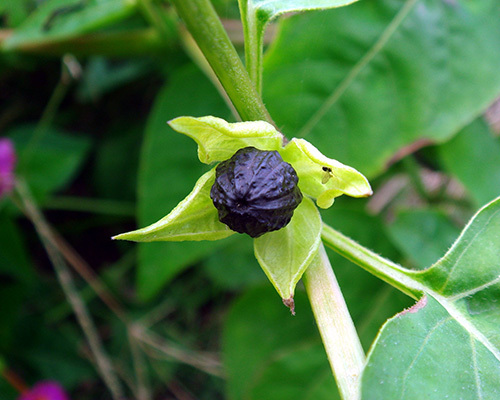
(168, 171)
(194, 218)
(234, 266)
(56, 20)
(270, 355)
(266, 10)
(362, 82)
(321, 177)
(453, 331)
(14, 261)
(423, 235)
(285, 254)
(218, 140)
(48, 160)
(256, 14)
(473, 157)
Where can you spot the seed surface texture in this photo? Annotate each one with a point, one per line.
(255, 191)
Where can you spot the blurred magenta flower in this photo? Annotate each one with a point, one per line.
(45, 390)
(7, 164)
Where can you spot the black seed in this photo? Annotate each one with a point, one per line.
(255, 191)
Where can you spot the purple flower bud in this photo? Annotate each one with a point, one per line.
(7, 164)
(45, 390)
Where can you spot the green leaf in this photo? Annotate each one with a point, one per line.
(14, 10)
(48, 159)
(321, 177)
(57, 20)
(256, 14)
(473, 156)
(14, 260)
(168, 170)
(234, 266)
(364, 81)
(452, 331)
(218, 140)
(423, 235)
(194, 218)
(285, 254)
(270, 355)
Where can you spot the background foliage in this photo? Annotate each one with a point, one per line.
(396, 89)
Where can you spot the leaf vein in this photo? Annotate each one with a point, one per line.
(420, 350)
(464, 251)
(357, 68)
(476, 369)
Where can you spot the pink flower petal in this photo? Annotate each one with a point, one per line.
(45, 390)
(7, 164)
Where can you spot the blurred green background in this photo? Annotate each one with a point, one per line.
(399, 91)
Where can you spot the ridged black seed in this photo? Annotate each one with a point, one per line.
(255, 191)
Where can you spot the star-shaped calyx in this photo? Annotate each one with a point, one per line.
(286, 250)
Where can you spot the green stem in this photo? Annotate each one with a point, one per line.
(253, 44)
(206, 28)
(379, 266)
(335, 325)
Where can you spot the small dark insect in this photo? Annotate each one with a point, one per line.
(255, 191)
(327, 175)
(61, 11)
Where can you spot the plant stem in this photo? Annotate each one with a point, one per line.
(335, 325)
(207, 30)
(253, 43)
(104, 365)
(377, 265)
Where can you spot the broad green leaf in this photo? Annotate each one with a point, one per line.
(364, 81)
(425, 353)
(168, 172)
(194, 218)
(454, 329)
(48, 159)
(473, 156)
(285, 254)
(57, 20)
(321, 177)
(423, 235)
(270, 355)
(218, 140)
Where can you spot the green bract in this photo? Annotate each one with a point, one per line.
(285, 254)
(218, 140)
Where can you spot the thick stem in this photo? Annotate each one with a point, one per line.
(377, 265)
(206, 28)
(335, 325)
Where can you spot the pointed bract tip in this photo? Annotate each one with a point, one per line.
(290, 303)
